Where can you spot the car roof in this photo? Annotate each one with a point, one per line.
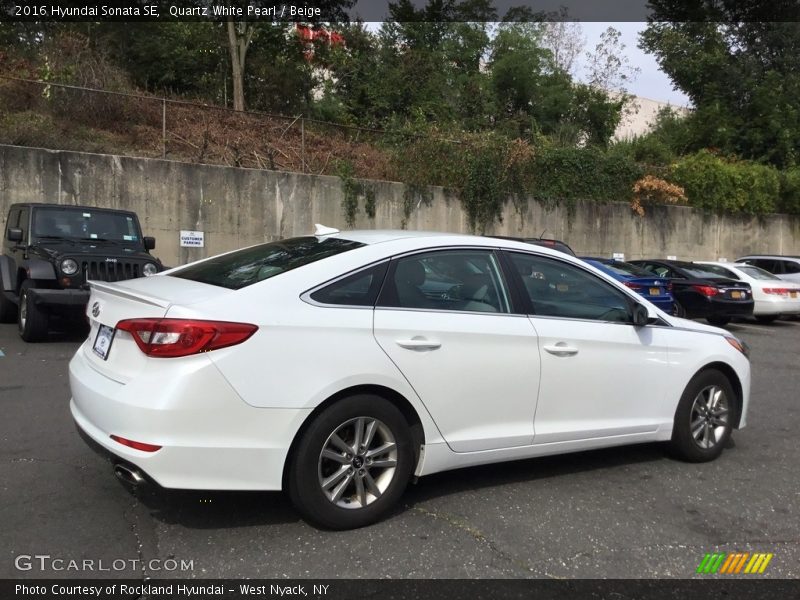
(73, 206)
(436, 238)
(791, 256)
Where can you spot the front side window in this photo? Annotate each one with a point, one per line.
(241, 268)
(456, 280)
(559, 289)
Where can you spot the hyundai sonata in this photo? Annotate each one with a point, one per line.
(337, 366)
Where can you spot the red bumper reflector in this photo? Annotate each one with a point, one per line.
(135, 445)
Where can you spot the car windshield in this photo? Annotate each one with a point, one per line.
(241, 268)
(756, 273)
(85, 223)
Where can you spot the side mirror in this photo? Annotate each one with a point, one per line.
(14, 234)
(149, 242)
(640, 315)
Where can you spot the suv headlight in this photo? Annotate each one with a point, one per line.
(149, 269)
(69, 266)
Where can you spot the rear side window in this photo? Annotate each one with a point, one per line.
(358, 289)
(452, 280)
(790, 267)
(239, 269)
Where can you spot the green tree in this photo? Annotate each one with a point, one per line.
(741, 73)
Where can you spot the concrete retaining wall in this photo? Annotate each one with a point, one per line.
(240, 207)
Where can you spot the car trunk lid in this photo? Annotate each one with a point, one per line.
(112, 352)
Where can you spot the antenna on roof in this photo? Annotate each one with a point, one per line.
(322, 230)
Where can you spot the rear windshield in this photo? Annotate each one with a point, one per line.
(554, 244)
(718, 271)
(251, 265)
(623, 268)
(706, 271)
(756, 273)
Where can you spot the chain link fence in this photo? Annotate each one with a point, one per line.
(66, 117)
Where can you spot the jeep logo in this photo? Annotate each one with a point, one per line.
(111, 260)
(96, 309)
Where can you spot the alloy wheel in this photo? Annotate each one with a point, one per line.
(357, 463)
(709, 416)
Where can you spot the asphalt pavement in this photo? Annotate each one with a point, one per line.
(617, 513)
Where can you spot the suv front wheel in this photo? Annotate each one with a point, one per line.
(32, 320)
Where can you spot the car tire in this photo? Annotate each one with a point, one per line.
(766, 318)
(32, 321)
(704, 417)
(718, 321)
(678, 310)
(8, 310)
(337, 484)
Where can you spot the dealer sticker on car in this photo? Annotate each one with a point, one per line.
(102, 343)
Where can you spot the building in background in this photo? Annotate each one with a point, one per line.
(640, 115)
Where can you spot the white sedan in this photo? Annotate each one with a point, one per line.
(773, 297)
(336, 366)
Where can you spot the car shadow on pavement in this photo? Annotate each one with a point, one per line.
(218, 509)
(198, 509)
(531, 470)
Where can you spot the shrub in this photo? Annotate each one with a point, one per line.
(737, 187)
(570, 174)
(790, 191)
(654, 190)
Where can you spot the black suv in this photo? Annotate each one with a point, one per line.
(51, 251)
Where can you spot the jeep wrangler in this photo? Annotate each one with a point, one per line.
(52, 251)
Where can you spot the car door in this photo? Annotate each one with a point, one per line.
(601, 375)
(444, 318)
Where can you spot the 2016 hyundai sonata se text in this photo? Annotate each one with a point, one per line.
(337, 366)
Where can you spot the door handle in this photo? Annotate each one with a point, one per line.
(419, 344)
(561, 349)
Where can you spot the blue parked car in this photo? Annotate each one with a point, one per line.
(654, 288)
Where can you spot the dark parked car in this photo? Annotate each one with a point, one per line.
(538, 241)
(652, 287)
(50, 251)
(699, 292)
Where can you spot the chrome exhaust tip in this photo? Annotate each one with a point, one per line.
(129, 475)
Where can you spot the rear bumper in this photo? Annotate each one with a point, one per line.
(69, 298)
(778, 306)
(717, 308)
(210, 438)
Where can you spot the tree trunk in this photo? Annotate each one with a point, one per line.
(239, 37)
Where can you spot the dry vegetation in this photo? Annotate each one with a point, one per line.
(53, 117)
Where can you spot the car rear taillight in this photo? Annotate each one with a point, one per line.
(633, 286)
(706, 290)
(777, 291)
(135, 445)
(669, 287)
(171, 338)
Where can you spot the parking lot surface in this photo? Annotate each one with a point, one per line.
(617, 513)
